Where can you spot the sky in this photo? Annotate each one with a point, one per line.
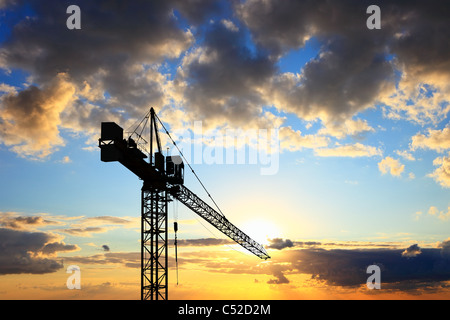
(323, 139)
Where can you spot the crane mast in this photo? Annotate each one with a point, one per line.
(163, 181)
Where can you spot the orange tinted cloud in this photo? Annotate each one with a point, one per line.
(442, 172)
(30, 119)
(392, 166)
(438, 140)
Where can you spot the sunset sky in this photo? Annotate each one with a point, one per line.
(352, 156)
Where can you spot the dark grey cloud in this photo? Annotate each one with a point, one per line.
(110, 66)
(113, 68)
(445, 248)
(280, 278)
(230, 81)
(198, 11)
(223, 77)
(414, 273)
(114, 34)
(348, 267)
(351, 72)
(279, 244)
(117, 38)
(423, 45)
(30, 252)
(55, 247)
(280, 27)
(412, 251)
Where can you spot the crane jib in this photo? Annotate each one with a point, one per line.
(220, 222)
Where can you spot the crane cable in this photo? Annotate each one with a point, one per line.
(175, 227)
(195, 174)
(139, 135)
(209, 195)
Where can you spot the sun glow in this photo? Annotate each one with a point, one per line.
(261, 230)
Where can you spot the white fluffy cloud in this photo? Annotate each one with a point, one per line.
(438, 140)
(442, 172)
(392, 166)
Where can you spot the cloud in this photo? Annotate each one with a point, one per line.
(87, 226)
(411, 251)
(405, 155)
(55, 247)
(349, 127)
(392, 166)
(442, 215)
(417, 102)
(433, 210)
(279, 276)
(103, 220)
(130, 56)
(348, 74)
(13, 220)
(197, 11)
(105, 66)
(438, 140)
(7, 88)
(229, 25)
(349, 150)
(30, 252)
(114, 37)
(204, 242)
(65, 159)
(442, 172)
(307, 95)
(125, 259)
(279, 244)
(294, 140)
(351, 72)
(85, 231)
(221, 80)
(339, 267)
(344, 264)
(29, 120)
(307, 243)
(445, 247)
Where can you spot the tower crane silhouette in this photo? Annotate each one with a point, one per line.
(163, 181)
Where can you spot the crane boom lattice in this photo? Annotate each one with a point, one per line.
(220, 222)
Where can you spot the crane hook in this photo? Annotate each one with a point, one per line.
(175, 227)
